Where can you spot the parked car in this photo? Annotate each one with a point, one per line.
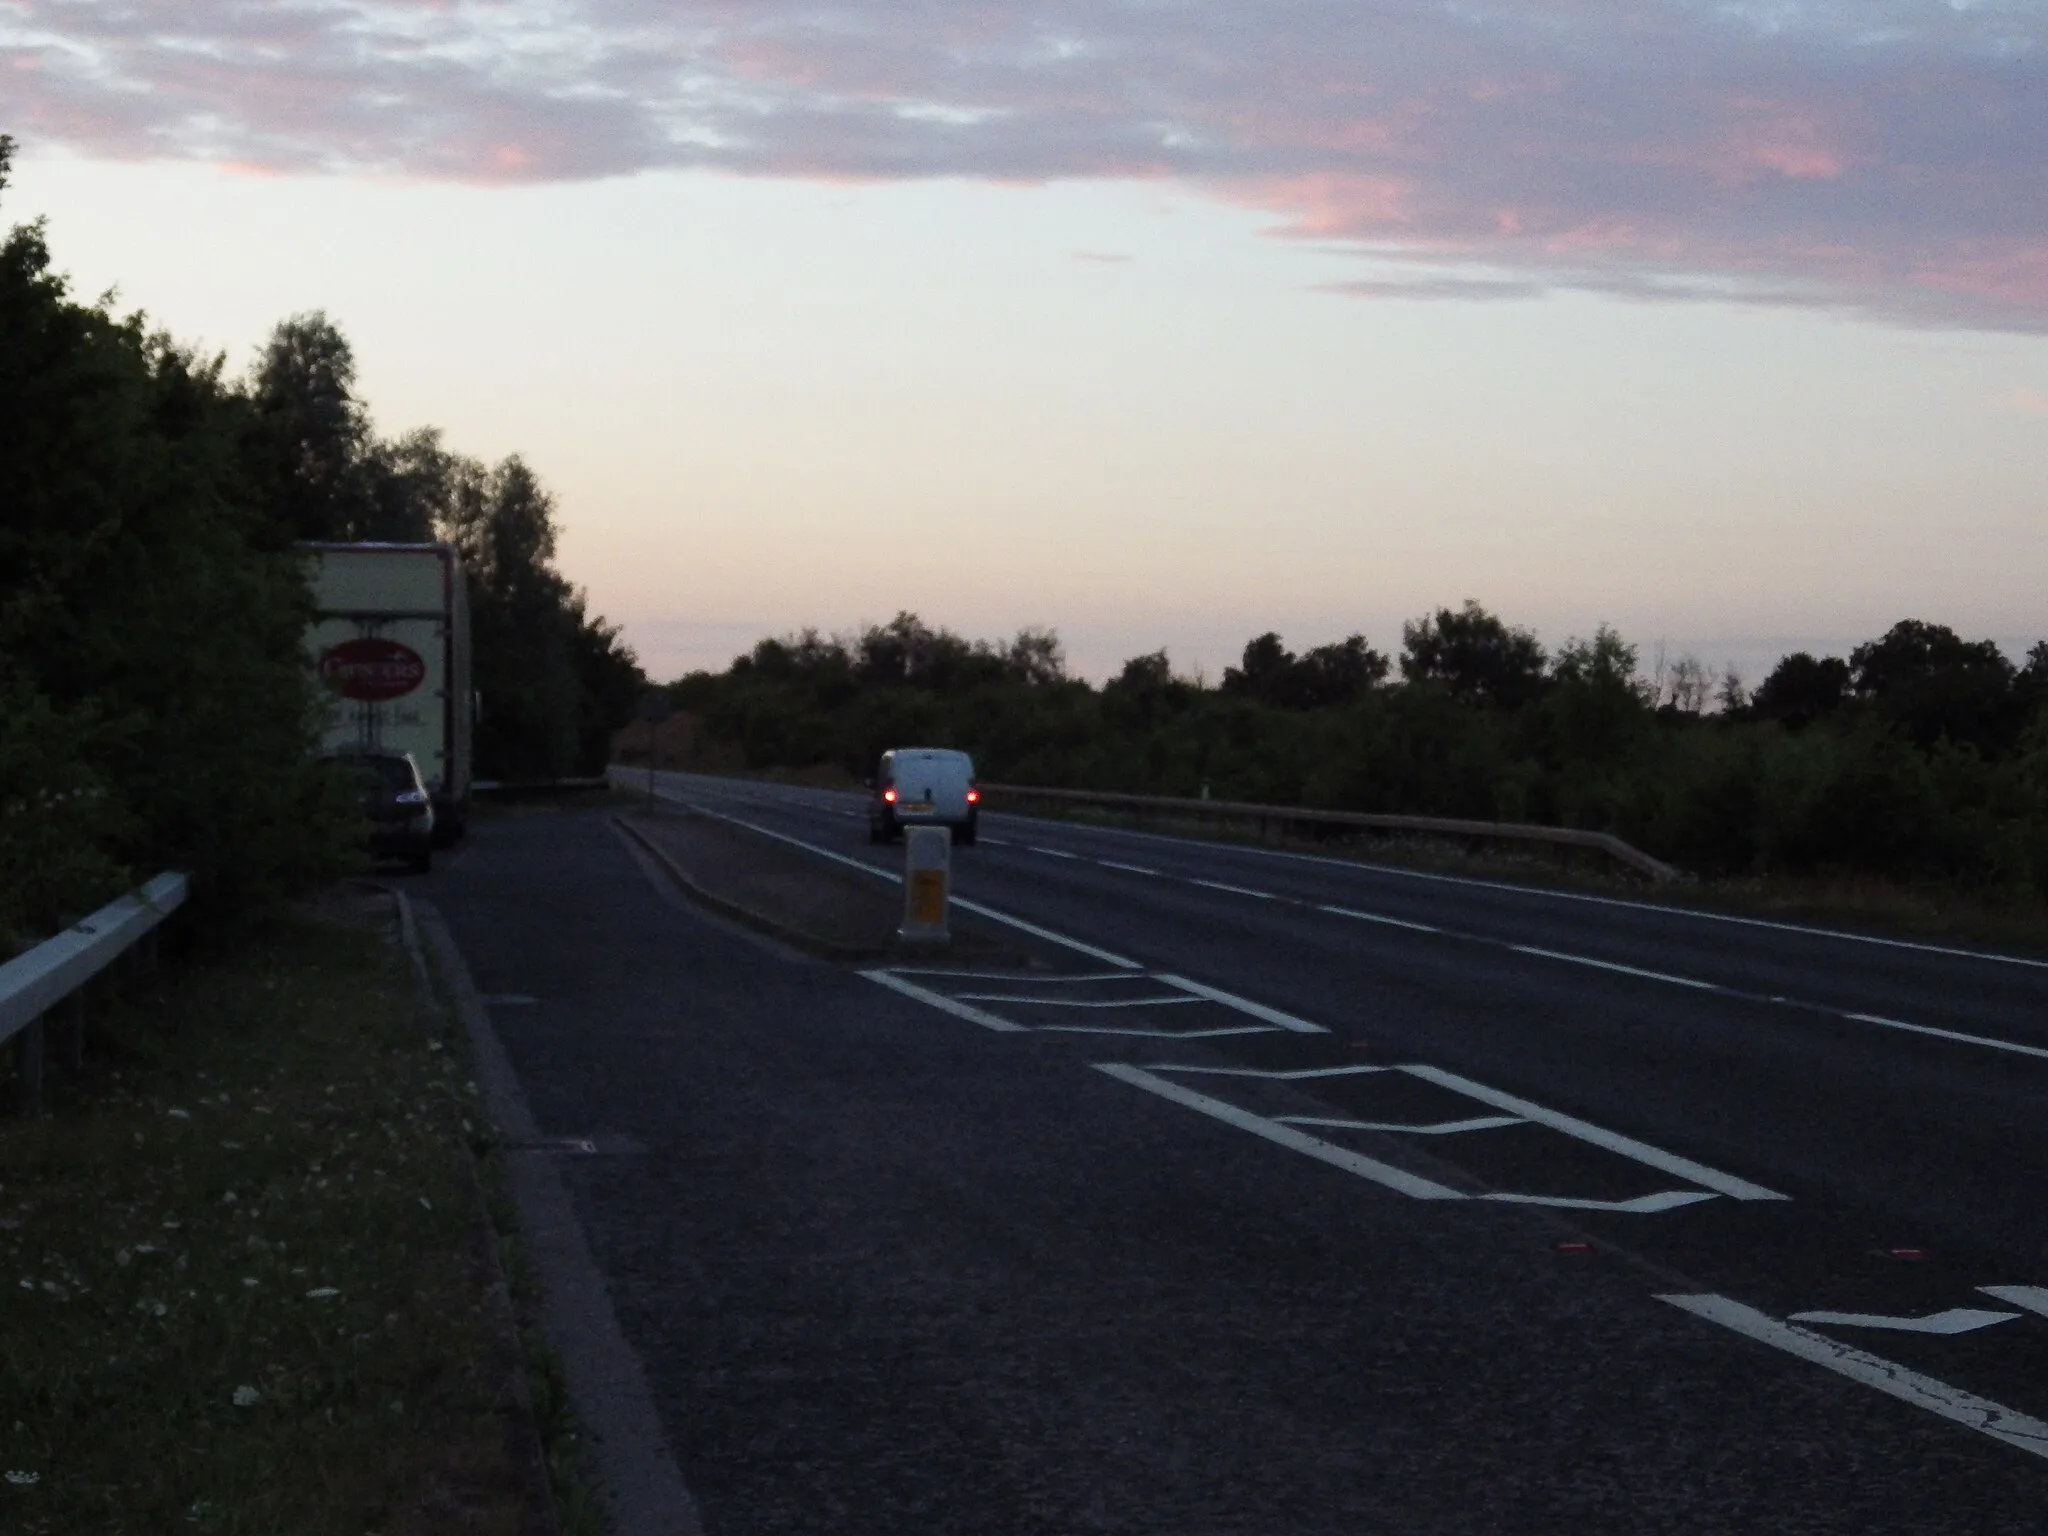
(924, 786)
(396, 804)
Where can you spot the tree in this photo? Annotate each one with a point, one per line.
(1036, 658)
(554, 682)
(1930, 683)
(1474, 656)
(151, 622)
(1328, 675)
(1801, 689)
(1265, 671)
(1341, 673)
(312, 436)
(408, 488)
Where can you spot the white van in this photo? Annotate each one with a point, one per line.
(924, 786)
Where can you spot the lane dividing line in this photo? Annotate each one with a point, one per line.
(1381, 919)
(1234, 890)
(1949, 1034)
(1610, 1141)
(1894, 1380)
(1611, 965)
(945, 1004)
(1242, 1004)
(1987, 1042)
(1385, 1174)
(1132, 869)
(1356, 866)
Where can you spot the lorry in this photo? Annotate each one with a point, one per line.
(389, 643)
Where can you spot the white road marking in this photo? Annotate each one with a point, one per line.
(945, 1004)
(1132, 869)
(1337, 1157)
(1610, 965)
(1612, 1141)
(1987, 1042)
(1107, 957)
(1050, 853)
(1076, 1002)
(1439, 1128)
(1540, 893)
(1277, 1076)
(959, 901)
(1034, 979)
(1242, 1005)
(996, 842)
(1380, 918)
(1938, 1397)
(2033, 1297)
(1949, 1034)
(1642, 1205)
(1954, 1320)
(1235, 890)
(1155, 1034)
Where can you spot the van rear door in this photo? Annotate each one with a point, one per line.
(932, 785)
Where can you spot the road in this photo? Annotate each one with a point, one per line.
(1295, 1196)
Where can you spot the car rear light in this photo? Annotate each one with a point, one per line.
(889, 795)
(973, 796)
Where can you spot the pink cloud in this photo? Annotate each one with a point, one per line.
(1890, 156)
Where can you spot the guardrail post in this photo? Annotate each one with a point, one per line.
(28, 1067)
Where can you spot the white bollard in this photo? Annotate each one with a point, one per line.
(927, 879)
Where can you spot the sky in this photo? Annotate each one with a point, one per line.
(1161, 322)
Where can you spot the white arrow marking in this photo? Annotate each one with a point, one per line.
(1954, 1320)
(1642, 1205)
(2033, 1297)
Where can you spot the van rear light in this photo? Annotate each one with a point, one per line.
(889, 795)
(973, 796)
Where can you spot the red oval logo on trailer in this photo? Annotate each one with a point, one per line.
(370, 670)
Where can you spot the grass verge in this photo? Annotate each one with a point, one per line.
(240, 1287)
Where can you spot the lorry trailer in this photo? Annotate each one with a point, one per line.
(390, 645)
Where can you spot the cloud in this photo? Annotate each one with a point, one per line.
(2030, 402)
(1106, 258)
(1889, 156)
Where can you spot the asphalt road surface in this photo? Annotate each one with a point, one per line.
(1292, 1196)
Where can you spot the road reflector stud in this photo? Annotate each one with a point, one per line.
(1574, 1247)
(1906, 1253)
(927, 878)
